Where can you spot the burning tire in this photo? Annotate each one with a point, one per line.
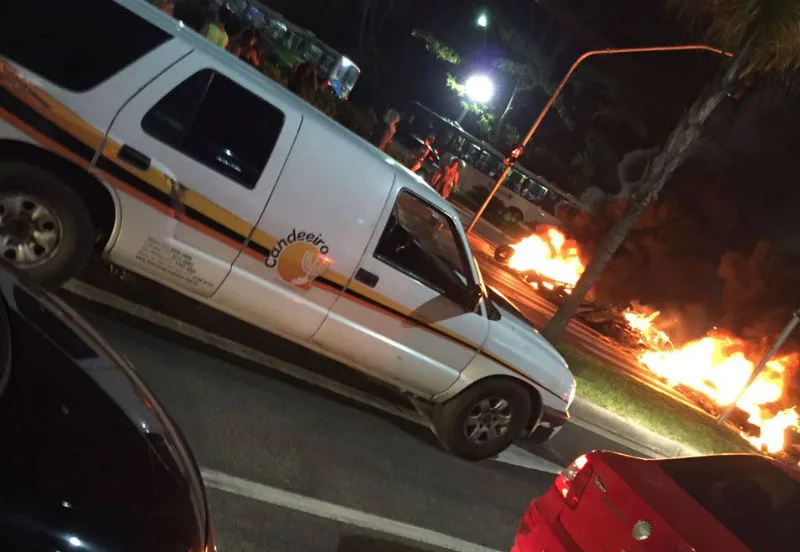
(483, 420)
(503, 253)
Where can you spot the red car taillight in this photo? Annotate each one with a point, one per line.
(573, 480)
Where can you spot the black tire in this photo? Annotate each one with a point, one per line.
(514, 214)
(503, 253)
(77, 233)
(450, 418)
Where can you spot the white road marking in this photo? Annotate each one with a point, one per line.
(341, 514)
(513, 455)
(517, 456)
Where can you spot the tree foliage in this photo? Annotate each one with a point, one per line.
(440, 50)
(766, 32)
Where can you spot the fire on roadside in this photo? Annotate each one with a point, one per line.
(549, 253)
(719, 365)
(649, 335)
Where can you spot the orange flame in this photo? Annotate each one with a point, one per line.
(649, 335)
(718, 366)
(550, 253)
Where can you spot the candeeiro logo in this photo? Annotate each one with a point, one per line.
(300, 258)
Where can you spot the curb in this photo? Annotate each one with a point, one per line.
(612, 426)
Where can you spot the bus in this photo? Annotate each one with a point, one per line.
(526, 198)
(290, 44)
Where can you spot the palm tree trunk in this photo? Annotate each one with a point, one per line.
(657, 174)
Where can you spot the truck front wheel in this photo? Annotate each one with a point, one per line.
(45, 229)
(483, 420)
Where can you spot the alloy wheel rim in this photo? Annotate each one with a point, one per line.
(487, 420)
(30, 230)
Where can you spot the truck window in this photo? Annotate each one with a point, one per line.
(422, 242)
(218, 123)
(75, 45)
(756, 500)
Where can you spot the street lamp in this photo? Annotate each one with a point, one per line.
(483, 23)
(479, 89)
(560, 87)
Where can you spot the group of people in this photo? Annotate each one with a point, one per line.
(218, 26)
(444, 180)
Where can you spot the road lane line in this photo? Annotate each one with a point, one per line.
(514, 455)
(522, 458)
(341, 514)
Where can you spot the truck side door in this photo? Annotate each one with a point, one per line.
(313, 233)
(397, 318)
(212, 143)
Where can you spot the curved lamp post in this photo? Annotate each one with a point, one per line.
(560, 87)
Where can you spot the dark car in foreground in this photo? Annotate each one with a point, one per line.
(88, 458)
(606, 501)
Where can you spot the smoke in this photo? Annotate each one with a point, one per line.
(718, 248)
(694, 256)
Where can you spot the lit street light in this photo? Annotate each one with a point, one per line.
(483, 23)
(479, 89)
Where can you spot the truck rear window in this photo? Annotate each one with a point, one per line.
(75, 44)
(755, 499)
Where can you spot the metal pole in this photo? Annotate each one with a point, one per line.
(560, 87)
(761, 365)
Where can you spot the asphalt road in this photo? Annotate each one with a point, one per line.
(315, 472)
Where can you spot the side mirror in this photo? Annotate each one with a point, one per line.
(469, 298)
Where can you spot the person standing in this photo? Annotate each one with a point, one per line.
(303, 80)
(417, 158)
(215, 30)
(386, 130)
(445, 181)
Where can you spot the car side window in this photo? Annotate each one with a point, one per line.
(218, 123)
(421, 241)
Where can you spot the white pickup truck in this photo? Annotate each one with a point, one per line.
(122, 131)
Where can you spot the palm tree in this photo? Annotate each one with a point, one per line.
(765, 38)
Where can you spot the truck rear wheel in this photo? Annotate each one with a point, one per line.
(45, 229)
(483, 420)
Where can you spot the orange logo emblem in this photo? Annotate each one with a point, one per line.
(300, 258)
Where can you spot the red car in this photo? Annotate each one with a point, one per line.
(610, 502)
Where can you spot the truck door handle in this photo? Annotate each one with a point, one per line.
(134, 158)
(367, 278)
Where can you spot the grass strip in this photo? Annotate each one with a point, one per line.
(606, 387)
